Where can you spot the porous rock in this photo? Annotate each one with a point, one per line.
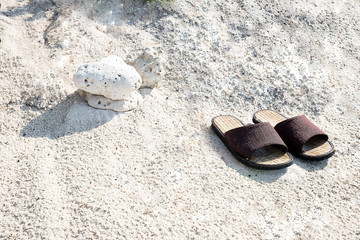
(123, 105)
(150, 66)
(110, 77)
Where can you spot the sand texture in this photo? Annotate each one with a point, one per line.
(69, 171)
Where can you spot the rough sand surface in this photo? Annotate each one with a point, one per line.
(69, 171)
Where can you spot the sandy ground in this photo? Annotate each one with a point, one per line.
(69, 171)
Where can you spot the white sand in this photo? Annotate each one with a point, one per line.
(69, 171)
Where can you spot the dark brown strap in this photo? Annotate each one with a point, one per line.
(245, 140)
(296, 131)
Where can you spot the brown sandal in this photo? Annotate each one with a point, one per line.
(256, 145)
(301, 136)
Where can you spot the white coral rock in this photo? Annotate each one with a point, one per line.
(123, 105)
(150, 66)
(110, 77)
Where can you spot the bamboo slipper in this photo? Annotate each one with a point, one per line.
(302, 137)
(256, 145)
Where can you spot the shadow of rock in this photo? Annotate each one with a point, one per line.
(72, 115)
(145, 91)
(37, 9)
(265, 176)
(129, 11)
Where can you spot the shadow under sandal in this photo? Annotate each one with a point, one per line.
(302, 137)
(256, 145)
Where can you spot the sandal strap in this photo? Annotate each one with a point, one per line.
(296, 131)
(247, 139)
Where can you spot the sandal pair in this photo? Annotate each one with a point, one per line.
(267, 143)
